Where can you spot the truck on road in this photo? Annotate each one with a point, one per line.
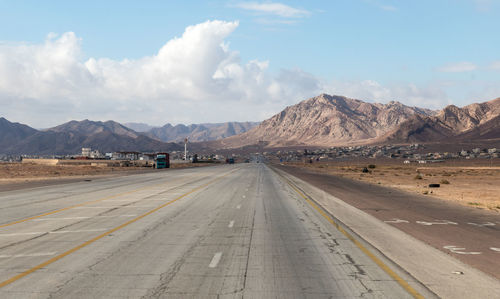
(162, 160)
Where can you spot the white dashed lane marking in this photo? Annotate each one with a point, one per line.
(482, 224)
(445, 222)
(396, 220)
(215, 260)
(458, 250)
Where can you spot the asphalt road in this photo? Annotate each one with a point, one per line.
(469, 234)
(224, 232)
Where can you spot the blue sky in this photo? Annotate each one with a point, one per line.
(424, 53)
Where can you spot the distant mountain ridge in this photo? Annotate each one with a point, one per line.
(87, 127)
(139, 127)
(11, 133)
(324, 120)
(327, 120)
(69, 138)
(196, 132)
(477, 121)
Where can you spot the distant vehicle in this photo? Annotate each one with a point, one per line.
(162, 160)
(247, 161)
(230, 160)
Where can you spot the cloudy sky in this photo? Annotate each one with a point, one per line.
(213, 61)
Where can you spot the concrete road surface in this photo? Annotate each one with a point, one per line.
(469, 234)
(234, 231)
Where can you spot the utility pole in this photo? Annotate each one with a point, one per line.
(185, 148)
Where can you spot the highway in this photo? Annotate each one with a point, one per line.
(469, 234)
(235, 231)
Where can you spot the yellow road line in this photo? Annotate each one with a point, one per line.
(66, 253)
(365, 250)
(72, 207)
(79, 205)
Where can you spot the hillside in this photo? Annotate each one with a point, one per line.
(69, 138)
(139, 127)
(478, 121)
(11, 133)
(199, 132)
(326, 121)
(87, 128)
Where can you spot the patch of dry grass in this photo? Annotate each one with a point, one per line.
(469, 183)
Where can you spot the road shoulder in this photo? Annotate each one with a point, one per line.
(433, 268)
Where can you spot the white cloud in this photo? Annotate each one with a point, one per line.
(495, 65)
(458, 67)
(278, 9)
(193, 78)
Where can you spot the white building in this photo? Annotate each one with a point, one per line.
(86, 151)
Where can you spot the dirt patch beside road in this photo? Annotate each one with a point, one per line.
(18, 172)
(26, 175)
(472, 183)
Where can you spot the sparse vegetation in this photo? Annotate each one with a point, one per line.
(425, 192)
(474, 203)
(465, 182)
(372, 166)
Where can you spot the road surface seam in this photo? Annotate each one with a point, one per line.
(365, 250)
(74, 249)
(83, 204)
(41, 234)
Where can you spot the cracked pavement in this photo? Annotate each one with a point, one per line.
(245, 235)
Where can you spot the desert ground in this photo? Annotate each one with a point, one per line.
(26, 172)
(474, 183)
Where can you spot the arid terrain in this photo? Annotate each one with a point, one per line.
(21, 172)
(470, 183)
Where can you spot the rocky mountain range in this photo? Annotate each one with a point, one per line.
(327, 120)
(324, 120)
(69, 138)
(199, 132)
(139, 127)
(478, 121)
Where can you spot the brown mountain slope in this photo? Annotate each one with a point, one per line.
(88, 127)
(472, 122)
(69, 138)
(326, 120)
(199, 132)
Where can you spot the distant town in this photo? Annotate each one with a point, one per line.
(414, 153)
(408, 153)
